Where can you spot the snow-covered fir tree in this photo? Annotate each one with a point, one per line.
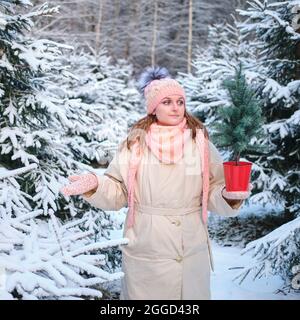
(264, 40)
(271, 25)
(100, 99)
(50, 246)
(44, 258)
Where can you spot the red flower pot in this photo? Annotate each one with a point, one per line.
(237, 177)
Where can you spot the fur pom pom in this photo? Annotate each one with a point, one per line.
(150, 74)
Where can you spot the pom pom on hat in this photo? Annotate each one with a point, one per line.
(150, 74)
(155, 83)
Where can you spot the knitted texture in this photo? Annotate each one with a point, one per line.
(238, 195)
(167, 142)
(136, 156)
(159, 89)
(203, 146)
(80, 184)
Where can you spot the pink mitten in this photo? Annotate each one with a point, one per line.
(80, 184)
(237, 194)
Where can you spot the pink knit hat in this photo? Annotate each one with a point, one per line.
(155, 90)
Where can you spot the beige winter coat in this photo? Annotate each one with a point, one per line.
(169, 254)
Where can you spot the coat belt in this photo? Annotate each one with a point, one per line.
(175, 212)
(166, 211)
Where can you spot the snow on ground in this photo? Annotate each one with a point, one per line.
(223, 288)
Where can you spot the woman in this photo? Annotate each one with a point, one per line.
(169, 174)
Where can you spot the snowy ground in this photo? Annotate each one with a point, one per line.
(223, 288)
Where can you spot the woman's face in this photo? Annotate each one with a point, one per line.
(170, 110)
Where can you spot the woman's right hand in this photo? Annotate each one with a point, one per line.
(80, 184)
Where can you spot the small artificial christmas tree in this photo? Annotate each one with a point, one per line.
(237, 125)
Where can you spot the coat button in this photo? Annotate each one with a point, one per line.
(177, 223)
(179, 259)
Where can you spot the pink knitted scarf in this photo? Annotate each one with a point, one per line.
(167, 144)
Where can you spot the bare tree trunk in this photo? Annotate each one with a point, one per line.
(116, 17)
(154, 34)
(190, 38)
(98, 25)
(133, 27)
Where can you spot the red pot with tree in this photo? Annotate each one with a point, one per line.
(238, 125)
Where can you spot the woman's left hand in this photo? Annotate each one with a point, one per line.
(238, 195)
